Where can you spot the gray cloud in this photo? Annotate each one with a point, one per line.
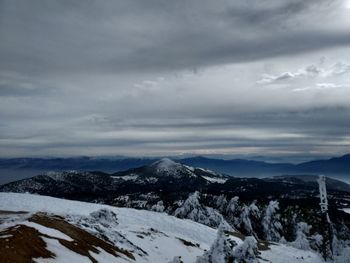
(121, 35)
(162, 77)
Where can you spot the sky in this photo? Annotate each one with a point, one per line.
(156, 77)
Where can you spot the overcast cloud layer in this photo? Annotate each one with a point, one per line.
(174, 77)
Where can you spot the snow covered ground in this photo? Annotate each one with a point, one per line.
(215, 180)
(151, 236)
(158, 234)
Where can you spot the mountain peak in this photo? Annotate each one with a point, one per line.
(165, 162)
(166, 165)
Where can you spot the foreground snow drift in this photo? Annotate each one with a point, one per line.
(148, 236)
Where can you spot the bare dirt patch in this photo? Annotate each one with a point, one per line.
(83, 242)
(23, 244)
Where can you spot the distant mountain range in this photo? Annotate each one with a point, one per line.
(236, 167)
(164, 176)
(332, 166)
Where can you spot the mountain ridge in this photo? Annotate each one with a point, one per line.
(330, 166)
(161, 176)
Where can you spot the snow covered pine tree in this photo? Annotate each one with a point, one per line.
(271, 225)
(221, 251)
(247, 252)
(194, 210)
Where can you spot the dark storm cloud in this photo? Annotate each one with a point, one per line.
(41, 36)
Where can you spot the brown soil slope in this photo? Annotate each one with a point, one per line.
(22, 244)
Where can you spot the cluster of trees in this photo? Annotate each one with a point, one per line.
(256, 222)
(296, 225)
(194, 210)
(224, 249)
(248, 219)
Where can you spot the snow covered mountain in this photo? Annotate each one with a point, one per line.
(237, 167)
(163, 174)
(45, 229)
(168, 183)
(167, 168)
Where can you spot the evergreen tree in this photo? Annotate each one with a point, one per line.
(194, 210)
(232, 211)
(221, 203)
(249, 219)
(232, 206)
(247, 252)
(272, 226)
(221, 250)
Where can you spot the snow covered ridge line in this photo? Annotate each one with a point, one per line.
(148, 236)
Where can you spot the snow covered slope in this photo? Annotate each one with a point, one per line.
(147, 236)
(162, 237)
